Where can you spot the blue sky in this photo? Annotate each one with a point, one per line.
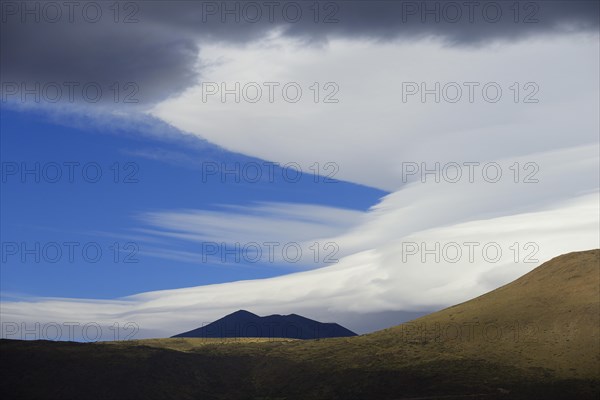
(384, 87)
(155, 173)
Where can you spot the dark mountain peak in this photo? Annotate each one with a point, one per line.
(243, 323)
(242, 313)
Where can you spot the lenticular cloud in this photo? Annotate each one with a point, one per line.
(423, 247)
(442, 235)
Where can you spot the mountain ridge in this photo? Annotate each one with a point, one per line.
(245, 324)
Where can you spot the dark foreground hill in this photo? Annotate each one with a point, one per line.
(246, 324)
(535, 338)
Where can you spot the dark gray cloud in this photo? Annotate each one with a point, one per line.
(150, 48)
(460, 22)
(146, 63)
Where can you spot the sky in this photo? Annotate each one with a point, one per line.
(360, 162)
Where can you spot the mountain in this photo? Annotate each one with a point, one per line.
(535, 338)
(244, 324)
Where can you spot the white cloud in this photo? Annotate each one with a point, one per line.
(369, 133)
(379, 275)
(275, 233)
(262, 222)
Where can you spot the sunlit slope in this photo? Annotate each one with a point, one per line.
(549, 318)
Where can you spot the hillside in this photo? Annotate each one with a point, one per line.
(548, 318)
(553, 356)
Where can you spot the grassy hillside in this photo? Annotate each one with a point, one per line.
(548, 318)
(553, 354)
